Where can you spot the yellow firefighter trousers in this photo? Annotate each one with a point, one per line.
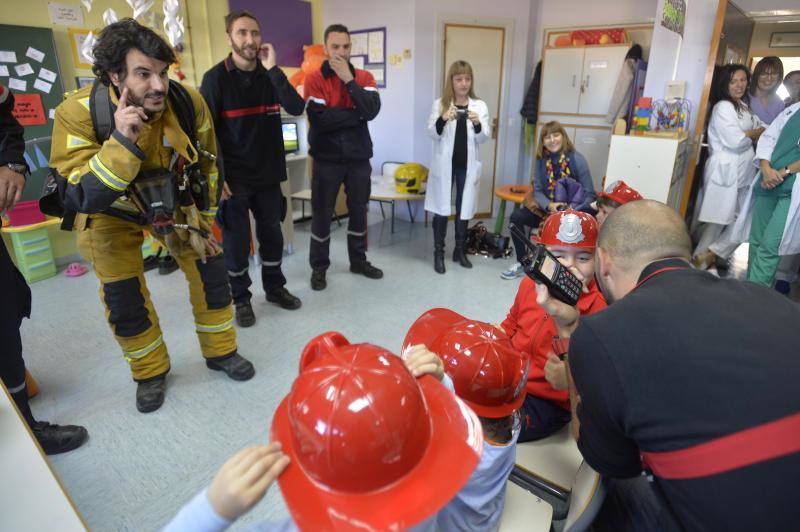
(114, 246)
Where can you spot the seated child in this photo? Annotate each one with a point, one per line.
(572, 237)
(489, 375)
(359, 443)
(615, 195)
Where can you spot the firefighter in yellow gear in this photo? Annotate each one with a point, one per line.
(94, 180)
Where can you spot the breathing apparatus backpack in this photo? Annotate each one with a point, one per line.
(155, 193)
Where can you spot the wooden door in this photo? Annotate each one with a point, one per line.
(482, 47)
(601, 66)
(562, 72)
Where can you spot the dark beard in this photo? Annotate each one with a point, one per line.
(240, 51)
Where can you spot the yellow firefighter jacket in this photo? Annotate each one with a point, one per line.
(97, 175)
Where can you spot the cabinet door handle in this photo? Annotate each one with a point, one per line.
(586, 85)
(574, 80)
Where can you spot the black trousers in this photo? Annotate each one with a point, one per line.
(522, 217)
(327, 178)
(541, 418)
(16, 304)
(269, 208)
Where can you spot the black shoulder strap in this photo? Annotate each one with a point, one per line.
(183, 106)
(102, 111)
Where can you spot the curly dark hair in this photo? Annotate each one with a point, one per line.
(723, 79)
(120, 37)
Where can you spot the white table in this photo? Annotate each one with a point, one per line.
(383, 191)
(31, 496)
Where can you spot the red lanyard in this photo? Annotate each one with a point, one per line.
(658, 272)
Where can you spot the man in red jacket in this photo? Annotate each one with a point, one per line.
(341, 100)
(572, 237)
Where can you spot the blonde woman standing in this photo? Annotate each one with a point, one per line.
(458, 123)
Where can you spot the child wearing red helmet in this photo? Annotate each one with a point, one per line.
(572, 237)
(365, 440)
(614, 196)
(489, 375)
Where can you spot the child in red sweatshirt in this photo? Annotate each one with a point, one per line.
(572, 237)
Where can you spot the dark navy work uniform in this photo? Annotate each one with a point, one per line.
(685, 359)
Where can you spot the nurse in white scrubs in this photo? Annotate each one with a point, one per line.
(732, 132)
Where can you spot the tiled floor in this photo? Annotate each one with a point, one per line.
(137, 470)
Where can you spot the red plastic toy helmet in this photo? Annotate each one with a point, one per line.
(487, 372)
(620, 192)
(569, 228)
(371, 447)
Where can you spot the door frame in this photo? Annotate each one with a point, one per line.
(702, 110)
(439, 72)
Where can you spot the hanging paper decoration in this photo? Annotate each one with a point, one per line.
(140, 7)
(173, 24)
(110, 16)
(87, 48)
(88, 5)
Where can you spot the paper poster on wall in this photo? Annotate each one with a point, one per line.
(65, 14)
(357, 61)
(358, 44)
(47, 75)
(33, 53)
(377, 73)
(77, 37)
(3, 70)
(17, 84)
(674, 16)
(43, 86)
(28, 109)
(8, 57)
(376, 47)
(23, 70)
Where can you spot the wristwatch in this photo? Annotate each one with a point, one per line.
(786, 169)
(18, 168)
(560, 346)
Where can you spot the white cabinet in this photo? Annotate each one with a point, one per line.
(654, 166)
(601, 68)
(580, 81)
(593, 143)
(561, 80)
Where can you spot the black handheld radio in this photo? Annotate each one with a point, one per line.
(541, 266)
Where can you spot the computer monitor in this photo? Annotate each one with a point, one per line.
(290, 142)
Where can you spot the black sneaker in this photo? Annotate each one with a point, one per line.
(318, 280)
(56, 439)
(167, 265)
(367, 270)
(235, 366)
(282, 297)
(150, 394)
(244, 314)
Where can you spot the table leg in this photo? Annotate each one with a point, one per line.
(410, 214)
(501, 217)
(392, 216)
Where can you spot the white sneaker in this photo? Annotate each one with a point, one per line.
(514, 272)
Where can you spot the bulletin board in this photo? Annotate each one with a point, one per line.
(29, 67)
(368, 52)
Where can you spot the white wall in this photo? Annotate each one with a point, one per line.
(574, 13)
(687, 57)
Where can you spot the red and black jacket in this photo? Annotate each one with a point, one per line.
(338, 114)
(246, 107)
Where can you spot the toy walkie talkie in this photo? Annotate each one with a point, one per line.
(541, 266)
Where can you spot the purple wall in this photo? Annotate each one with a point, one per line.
(284, 23)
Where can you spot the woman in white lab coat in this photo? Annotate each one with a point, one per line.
(458, 123)
(729, 170)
